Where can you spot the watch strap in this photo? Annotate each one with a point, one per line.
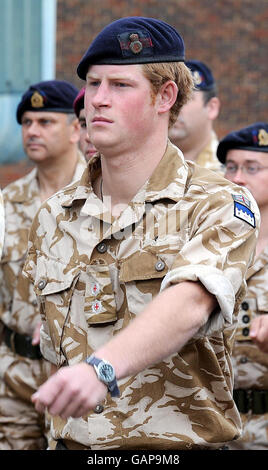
(112, 385)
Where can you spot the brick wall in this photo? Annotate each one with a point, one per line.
(231, 36)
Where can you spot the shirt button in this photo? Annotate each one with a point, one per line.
(160, 265)
(245, 331)
(243, 360)
(102, 247)
(244, 305)
(245, 318)
(42, 284)
(99, 409)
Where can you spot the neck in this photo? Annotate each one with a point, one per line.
(53, 177)
(125, 173)
(193, 146)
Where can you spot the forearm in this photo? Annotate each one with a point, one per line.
(164, 327)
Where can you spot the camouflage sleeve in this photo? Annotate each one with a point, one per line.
(218, 253)
(2, 223)
(29, 271)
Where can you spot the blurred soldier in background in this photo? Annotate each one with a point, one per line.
(86, 146)
(50, 134)
(245, 154)
(193, 131)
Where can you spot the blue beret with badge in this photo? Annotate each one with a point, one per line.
(51, 95)
(253, 137)
(133, 40)
(202, 75)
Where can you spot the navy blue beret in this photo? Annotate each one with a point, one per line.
(202, 75)
(133, 40)
(253, 137)
(51, 95)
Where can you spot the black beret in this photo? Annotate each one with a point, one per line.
(133, 40)
(253, 137)
(79, 102)
(202, 75)
(51, 95)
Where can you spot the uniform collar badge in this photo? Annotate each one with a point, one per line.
(37, 100)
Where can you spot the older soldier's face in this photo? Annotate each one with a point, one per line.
(249, 169)
(47, 135)
(120, 113)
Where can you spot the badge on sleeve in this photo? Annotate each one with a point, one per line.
(242, 209)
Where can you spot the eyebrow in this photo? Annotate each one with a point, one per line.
(111, 77)
(248, 160)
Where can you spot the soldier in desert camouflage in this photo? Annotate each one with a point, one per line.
(193, 132)
(139, 267)
(50, 134)
(245, 153)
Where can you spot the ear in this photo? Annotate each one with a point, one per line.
(167, 96)
(74, 131)
(213, 108)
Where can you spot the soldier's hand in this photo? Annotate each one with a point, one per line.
(72, 391)
(259, 332)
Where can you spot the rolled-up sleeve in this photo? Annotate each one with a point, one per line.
(217, 254)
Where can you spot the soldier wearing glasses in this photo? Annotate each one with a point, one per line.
(245, 154)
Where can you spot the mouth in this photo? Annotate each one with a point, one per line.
(33, 145)
(91, 152)
(100, 119)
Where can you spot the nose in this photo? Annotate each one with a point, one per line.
(239, 177)
(101, 96)
(33, 129)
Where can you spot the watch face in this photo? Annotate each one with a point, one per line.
(106, 372)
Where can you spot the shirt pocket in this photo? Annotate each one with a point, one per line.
(142, 274)
(62, 308)
(100, 306)
(71, 301)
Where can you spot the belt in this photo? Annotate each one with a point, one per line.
(66, 444)
(21, 344)
(254, 400)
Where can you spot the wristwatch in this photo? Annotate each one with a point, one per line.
(105, 372)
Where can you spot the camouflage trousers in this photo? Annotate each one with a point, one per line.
(254, 434)
(21, 427)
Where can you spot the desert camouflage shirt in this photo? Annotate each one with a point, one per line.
(18, 305)
(93, 273)
(2, 223)
(251, 364)
(208, 157)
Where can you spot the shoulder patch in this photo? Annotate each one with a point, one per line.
(244, 213)
(242, 199)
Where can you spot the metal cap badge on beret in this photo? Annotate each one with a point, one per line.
(253, 137)
(51, 95)
(133, 40)
(202, 75)
(79, 102)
